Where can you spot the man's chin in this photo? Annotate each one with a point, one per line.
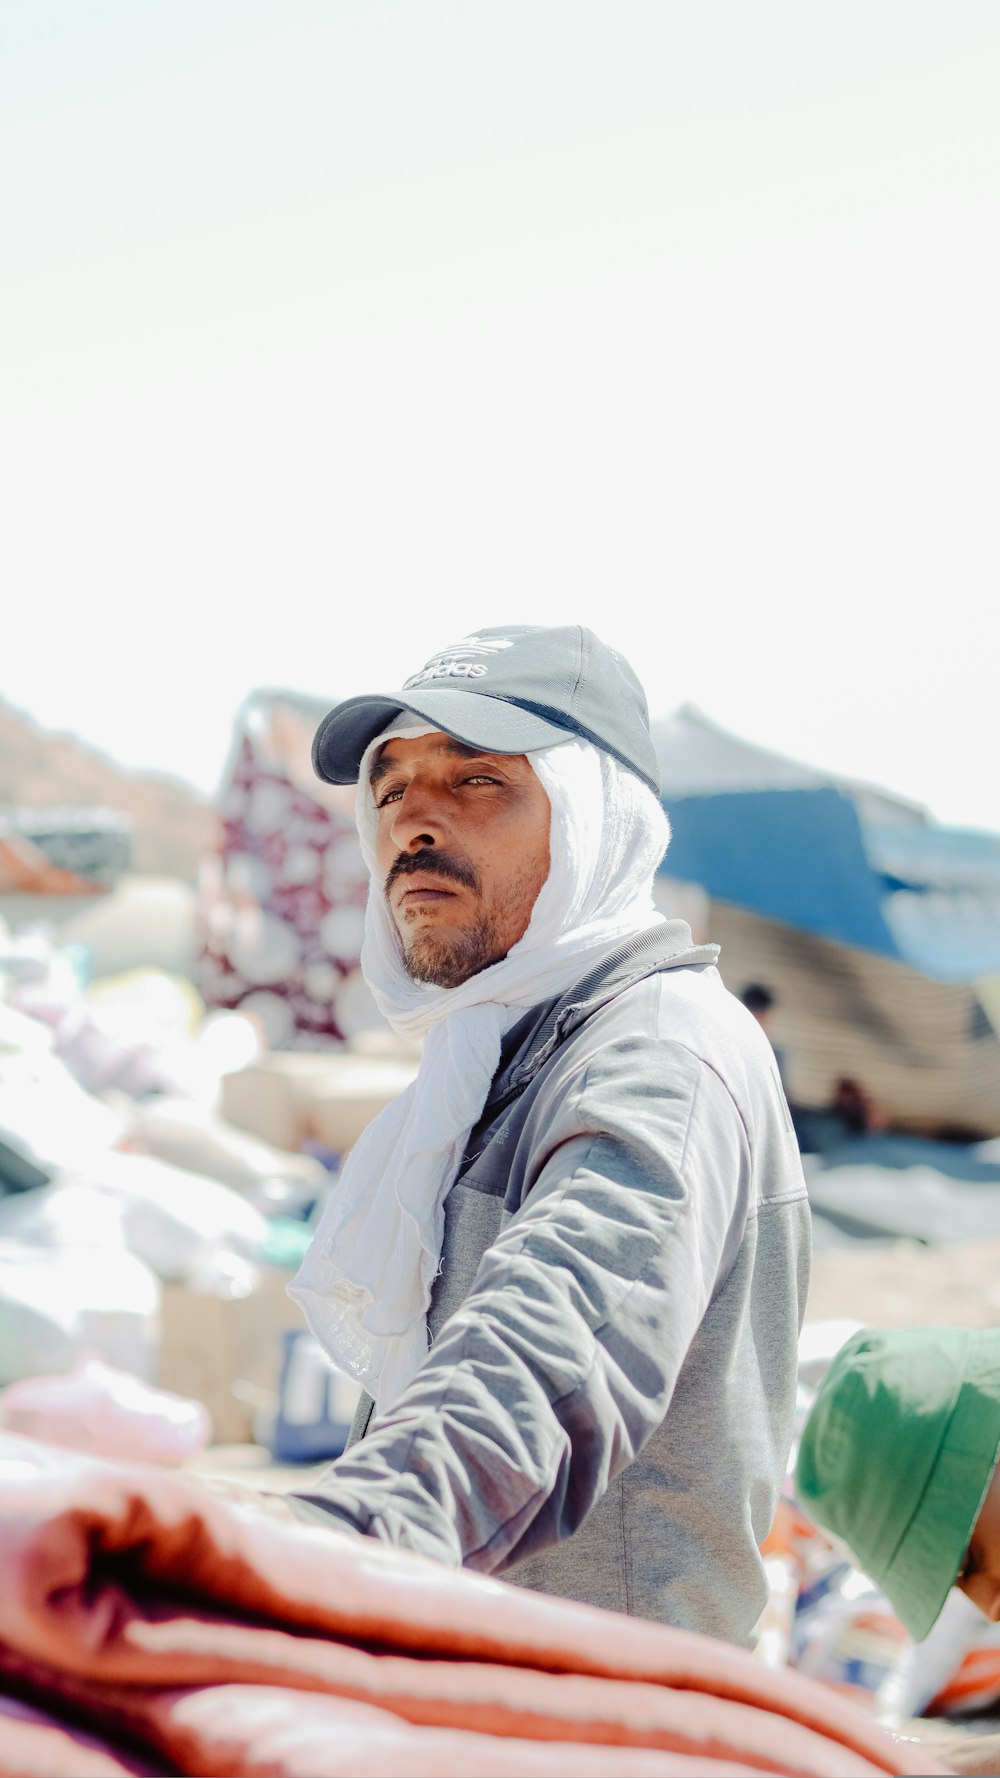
(447, 963)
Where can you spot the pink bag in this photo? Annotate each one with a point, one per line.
(108, 1413)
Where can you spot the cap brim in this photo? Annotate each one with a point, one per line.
(480, 721)
(925, 1568)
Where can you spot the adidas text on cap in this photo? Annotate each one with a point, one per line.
(511, 690)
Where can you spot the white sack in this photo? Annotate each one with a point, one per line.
(56, 1304)
(179, 1223)
(47, 1116)
(190, 1136)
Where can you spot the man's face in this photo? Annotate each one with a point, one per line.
(980, 1574)
(463, 848)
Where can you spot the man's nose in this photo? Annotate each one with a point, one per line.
(418, 820)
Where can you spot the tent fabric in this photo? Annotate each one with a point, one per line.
(792, 855)
(951, 858)
(922, 1048)
(697, 758)
(174, 1626)
(828, 855)
(952, 935)
(942, 897)
(928, 899)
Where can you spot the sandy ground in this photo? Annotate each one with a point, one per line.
(907, 1284)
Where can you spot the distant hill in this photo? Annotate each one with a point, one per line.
(172, 825)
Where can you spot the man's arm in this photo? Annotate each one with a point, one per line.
(560, 1364)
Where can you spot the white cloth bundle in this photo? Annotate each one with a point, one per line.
(365, 1283)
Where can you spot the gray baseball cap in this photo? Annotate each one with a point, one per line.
(507, 690)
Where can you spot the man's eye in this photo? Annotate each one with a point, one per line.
(480, 778)
(388, 796)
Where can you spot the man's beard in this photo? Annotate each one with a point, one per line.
(448, 963)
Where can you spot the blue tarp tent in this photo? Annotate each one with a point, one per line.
(793, 855)
(823, 857)
(877, 931)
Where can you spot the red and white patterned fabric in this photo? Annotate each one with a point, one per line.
(283, 900)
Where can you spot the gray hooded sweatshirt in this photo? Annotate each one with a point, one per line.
(605, 1410)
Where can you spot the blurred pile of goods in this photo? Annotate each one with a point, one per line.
(161, 1170)
(282, 904)
(62, 851)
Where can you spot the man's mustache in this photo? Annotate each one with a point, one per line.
(428, 862)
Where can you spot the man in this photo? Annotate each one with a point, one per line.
(760, 1001)
(569, 1263)
(898, 1457)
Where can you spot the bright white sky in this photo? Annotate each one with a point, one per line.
(333, 329)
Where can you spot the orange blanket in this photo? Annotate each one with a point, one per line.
(147, 1626)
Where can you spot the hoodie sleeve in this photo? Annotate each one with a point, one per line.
(560, 1364)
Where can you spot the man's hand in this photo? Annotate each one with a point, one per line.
(956, 1748)
(272, 1505)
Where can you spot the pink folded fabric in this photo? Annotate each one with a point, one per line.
(34, 1744)
(105, 1411)
(217, 1639)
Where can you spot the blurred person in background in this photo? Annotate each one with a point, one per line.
(569, 1263)
(760, 1001)
(858, 1112)
(898, 1460)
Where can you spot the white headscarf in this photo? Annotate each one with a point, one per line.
(365, 1282)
